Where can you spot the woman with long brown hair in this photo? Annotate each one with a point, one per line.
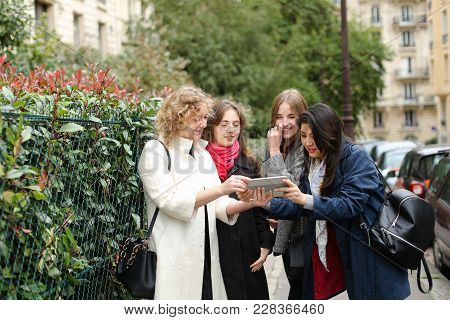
(244, 246)
(285, 158)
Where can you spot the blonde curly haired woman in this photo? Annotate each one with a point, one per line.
(190, 197)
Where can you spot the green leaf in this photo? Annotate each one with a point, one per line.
(95, 119)
(43, 217)
(70, 127)
(4, 249)
(71, 238)
(2, 170)
(26, 134)
(19, 103)
(8, 94)
(105, 218)
(103, 183)
(130, 162)
(125, 134)
(106, 166)
(34, 188)
(54, 273)
(33, 287)
(14, 174)
(8, 196)
(127, 149)
(110, 140)
(137, 220)
(39, 195)
(62, 111)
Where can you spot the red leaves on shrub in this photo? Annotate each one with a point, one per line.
(57, 82)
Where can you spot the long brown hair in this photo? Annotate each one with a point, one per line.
(297, 103)
(217, 112)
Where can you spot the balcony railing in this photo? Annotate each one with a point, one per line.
(376, 22)
(417, 100)
(410, 124)
(408, 45)
(419, 20)
(414, 73)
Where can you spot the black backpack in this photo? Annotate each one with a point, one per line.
(402, 231)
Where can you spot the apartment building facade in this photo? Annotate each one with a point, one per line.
(438, 12)
(406, 107)
(99, 24)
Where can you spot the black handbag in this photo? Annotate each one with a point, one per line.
(402, 231)
(136, 268)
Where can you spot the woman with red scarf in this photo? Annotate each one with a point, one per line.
(243, 247)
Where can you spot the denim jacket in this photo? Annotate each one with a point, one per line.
(357, 194)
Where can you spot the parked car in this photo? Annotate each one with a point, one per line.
(417, 167)
(438, 195)
(369, 144)
(390, 162)
(379, 148)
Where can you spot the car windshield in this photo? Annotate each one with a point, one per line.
(392, 159)
(427, 164)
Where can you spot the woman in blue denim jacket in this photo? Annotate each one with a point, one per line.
(340, 187)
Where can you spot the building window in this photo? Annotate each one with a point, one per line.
(406, 14)
(446, 65)
(376, 18)
(77, 29)
(378, 119)
(379, 92)
(409, 91)
(102, 38)
(407, 39)
(410, 118)
(430, 34)
(444, 27)
(42, 8)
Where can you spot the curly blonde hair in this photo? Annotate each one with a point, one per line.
(180, 105)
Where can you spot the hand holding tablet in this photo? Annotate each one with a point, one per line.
(269, 184)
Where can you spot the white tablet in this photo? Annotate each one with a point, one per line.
(269, 183)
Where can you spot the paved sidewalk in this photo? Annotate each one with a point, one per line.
(279, 285)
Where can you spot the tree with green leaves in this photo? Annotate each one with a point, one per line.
(14, 25)
(251, 50)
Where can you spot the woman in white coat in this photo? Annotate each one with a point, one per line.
(184, 236)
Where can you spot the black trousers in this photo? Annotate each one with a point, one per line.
(207, 293)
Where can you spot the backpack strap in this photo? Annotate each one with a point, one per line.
(427, 272)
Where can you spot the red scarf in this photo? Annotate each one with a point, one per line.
(223, 157)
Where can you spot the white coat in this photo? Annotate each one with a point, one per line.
(179, 232)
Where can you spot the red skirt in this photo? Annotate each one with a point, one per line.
(328, 284)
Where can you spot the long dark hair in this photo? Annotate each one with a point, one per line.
(218, 110)
(328, 132)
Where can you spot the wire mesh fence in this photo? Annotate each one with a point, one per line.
(72, 195)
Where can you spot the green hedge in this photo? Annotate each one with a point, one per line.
(69, 189)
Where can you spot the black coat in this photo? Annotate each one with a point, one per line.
(240, 245)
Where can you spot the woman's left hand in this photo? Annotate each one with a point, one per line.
(260, 197)
(292, 192)
(255, 266)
